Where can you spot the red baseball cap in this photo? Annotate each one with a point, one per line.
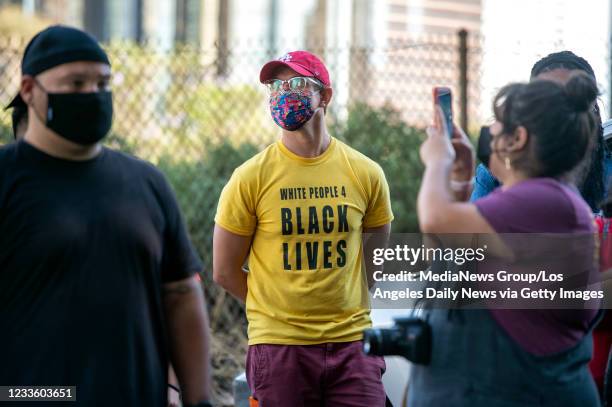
(302, 62)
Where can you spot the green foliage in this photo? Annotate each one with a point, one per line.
(381, 134)
(198, 186)
(221, 111)
(6, 134)
(172, 103)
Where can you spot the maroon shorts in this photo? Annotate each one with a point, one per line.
(329, 374)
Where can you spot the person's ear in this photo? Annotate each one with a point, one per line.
(326, 95)
(27, 89)
(519, 139)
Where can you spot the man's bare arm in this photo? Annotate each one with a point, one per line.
(229, 254)
(189, 336)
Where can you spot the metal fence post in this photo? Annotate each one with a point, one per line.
(463, 77)
(223, 39)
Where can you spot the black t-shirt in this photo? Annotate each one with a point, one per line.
(85, 248)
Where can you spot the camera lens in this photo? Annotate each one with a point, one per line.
(372, 342)
(381, 342)
(409, 337)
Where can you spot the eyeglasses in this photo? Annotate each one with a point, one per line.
(297, 83)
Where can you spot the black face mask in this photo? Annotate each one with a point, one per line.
(83, 118)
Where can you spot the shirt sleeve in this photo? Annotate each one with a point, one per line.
(236, 208)
(379, 210)
(533, 206)
(179, 258)
(484, 183)
(503, 211)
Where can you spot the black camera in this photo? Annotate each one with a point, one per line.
(410, 338)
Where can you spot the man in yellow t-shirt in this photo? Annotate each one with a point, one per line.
(298, 211)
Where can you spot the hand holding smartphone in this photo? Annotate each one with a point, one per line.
(442, 96)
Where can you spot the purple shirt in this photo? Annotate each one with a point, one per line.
(540, 205)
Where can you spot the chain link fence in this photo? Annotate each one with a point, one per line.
(199, 113)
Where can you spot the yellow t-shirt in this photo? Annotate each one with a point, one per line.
(305, 281)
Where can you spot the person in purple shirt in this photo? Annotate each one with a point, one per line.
(512, 358)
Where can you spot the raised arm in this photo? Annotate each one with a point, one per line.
(440, 206)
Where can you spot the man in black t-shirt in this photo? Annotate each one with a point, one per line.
(98, 284)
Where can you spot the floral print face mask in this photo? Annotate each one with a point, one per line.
(291, 110)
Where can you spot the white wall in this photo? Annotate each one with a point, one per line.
(519, 32)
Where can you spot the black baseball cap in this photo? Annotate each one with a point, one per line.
(57, 45)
